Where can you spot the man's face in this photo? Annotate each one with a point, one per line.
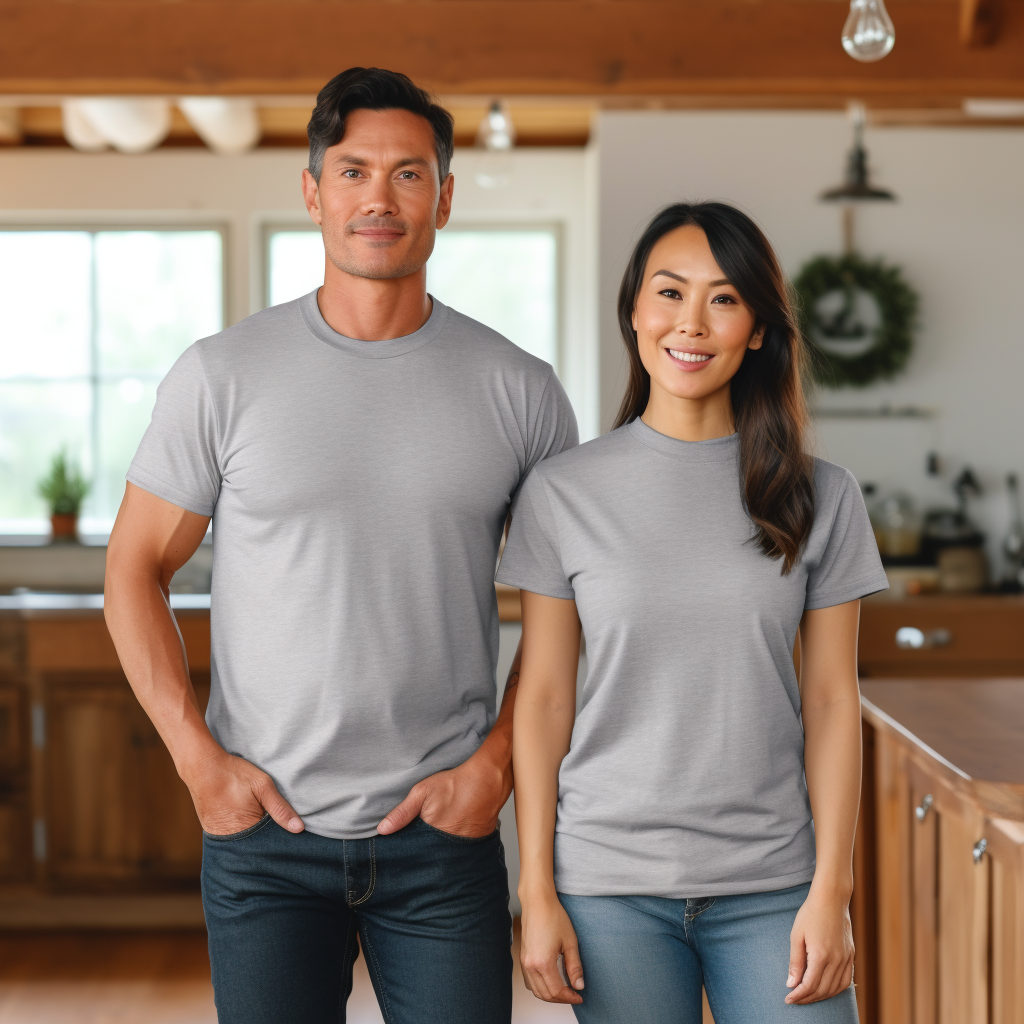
(378, 201)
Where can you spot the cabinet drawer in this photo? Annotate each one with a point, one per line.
(981, 629)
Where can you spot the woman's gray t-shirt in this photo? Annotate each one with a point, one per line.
(685, 776)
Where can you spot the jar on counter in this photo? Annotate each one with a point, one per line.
(897, 526)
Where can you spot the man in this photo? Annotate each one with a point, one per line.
(359, 451)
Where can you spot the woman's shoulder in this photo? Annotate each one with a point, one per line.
(585, 459)
(831, 480)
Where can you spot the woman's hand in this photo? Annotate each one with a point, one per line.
(820, 949)
(548, 934)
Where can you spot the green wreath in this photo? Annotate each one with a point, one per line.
(893, 337)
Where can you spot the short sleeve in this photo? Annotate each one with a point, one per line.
(552, 428)
(531, 559)
(177, 458)
(850, 566)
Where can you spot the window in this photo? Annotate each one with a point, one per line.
(90, 321)
(505, 277)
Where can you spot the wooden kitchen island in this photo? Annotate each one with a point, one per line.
(939, 868)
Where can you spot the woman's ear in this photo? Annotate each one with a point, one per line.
(757, 338)
(634, 318)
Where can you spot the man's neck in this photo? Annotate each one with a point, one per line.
(374, 310)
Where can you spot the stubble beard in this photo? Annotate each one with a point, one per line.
(385, 261)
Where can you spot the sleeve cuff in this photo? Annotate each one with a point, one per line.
(545, 589)
(168, 492)
(863, 588)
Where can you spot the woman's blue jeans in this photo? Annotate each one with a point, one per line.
(645, 959)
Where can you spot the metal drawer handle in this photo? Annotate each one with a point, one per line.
(910, 638)
(979, 850)
(921, 811)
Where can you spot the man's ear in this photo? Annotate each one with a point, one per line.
(311, 196)
(444, 201)
(757, 338)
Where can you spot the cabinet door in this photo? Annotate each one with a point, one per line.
(94, 761)
(962, 911)
(172, 838)
(1005, 847)
(924, 832)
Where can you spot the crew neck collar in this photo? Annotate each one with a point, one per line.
(718, 449)
(386, 349)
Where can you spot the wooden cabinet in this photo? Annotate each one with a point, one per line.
(973, 635)
(90, 801)
(115, 809)
(946, 945)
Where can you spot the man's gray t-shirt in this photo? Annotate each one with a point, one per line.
(685, 774)
(358, 491)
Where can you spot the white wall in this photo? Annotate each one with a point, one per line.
(957, 231)
(243, 194)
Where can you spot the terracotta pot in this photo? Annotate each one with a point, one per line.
(64, 529)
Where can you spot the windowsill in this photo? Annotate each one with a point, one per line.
(40, 540)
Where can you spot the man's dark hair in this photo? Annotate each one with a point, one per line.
(374, 89)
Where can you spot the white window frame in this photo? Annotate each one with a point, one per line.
(115, 221)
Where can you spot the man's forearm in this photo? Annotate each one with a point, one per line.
(152, 655)
(497, 747)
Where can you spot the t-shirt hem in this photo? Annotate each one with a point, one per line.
(169, 493)
(510, 579)
(699, 890)
(342, 833)
(862, 588)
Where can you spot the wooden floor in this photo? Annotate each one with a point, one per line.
(152, 978)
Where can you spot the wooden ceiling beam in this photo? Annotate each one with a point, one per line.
(606, 49)
(979, 22)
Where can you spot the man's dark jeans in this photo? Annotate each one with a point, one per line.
(430, 910)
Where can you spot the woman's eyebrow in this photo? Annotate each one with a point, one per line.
(676, 277)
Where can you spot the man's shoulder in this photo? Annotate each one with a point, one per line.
(263, 329)
(483, 342)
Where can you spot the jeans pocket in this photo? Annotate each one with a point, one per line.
(457, 838)
(232, 836)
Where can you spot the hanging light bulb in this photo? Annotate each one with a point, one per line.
(496, 132)
(868, 34)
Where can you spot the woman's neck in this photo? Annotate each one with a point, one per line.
(690, 419)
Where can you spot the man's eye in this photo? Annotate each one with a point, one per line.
(351, 173)
(408, 175)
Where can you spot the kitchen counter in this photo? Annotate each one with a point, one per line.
(938, 902)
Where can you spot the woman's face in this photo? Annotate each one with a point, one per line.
(692, 327)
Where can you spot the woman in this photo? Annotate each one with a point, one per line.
(671, 843)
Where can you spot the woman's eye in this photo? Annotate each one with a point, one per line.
(724, 299)
(670, 293)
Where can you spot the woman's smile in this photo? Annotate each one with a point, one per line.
(689, 360)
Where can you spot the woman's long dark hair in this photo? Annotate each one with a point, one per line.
(767, 390)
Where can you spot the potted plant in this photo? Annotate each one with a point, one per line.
(64, 490)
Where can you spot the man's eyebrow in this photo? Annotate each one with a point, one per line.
(358, 161)
(676, 277)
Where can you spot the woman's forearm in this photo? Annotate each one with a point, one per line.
(544, 713)
(832, 740)
(540, 740)
(832, 762)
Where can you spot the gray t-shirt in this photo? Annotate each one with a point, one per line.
(685, 775)
(358, 491)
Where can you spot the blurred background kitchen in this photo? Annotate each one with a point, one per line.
(149, 195)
